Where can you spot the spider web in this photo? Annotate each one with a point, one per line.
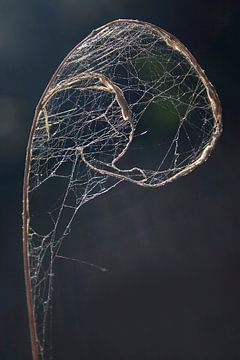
(128, 103)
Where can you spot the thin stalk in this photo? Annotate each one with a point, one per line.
(26, 262)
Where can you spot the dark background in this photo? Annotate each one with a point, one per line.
(173, 254)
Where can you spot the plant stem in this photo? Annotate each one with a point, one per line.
(26, 262)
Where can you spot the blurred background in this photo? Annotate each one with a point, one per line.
(173, 254)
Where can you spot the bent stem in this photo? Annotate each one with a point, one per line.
(142, 177)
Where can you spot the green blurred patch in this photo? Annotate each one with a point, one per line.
(151, 67)
(160, 118)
